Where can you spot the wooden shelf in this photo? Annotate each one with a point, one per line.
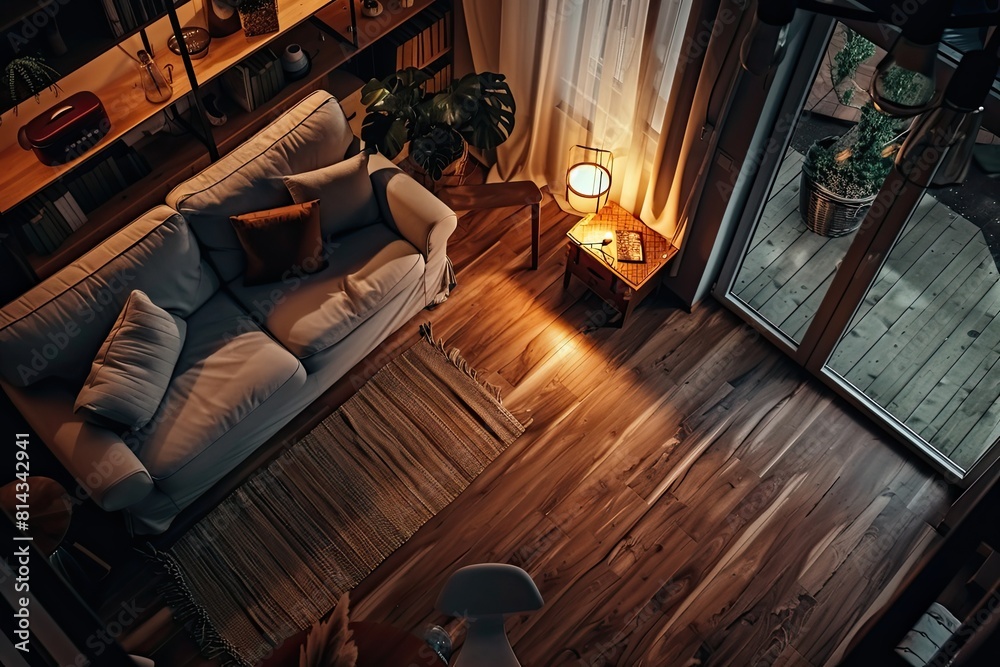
(337, 15)
(325, 55)
(173, 160)
(435, 58)
(127, 107)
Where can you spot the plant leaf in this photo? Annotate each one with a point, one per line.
(436, 149)
(388, 134)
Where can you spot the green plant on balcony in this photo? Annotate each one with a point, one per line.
(842, 175)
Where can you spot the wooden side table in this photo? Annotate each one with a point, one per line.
(623, 285)
(51, 511)
(498, 195)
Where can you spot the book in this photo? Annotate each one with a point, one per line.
(66, 214)
(117, 175)
(54, 217)
(629, 246)
(236, 82)
(45, 227)
(80, 193)
(255, 90)
(31, 236)
(46, 244)
(81, 217)
(114, 20)
(93, 187)
(105, 180)
(125, 12)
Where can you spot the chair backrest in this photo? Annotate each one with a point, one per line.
(483, 594)
(489, 589)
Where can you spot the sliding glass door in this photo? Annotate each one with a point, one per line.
(898, 309)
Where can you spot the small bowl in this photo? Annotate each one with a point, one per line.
(196, 39)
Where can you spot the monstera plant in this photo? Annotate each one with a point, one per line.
(476, 110)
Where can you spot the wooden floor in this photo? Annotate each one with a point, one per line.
(926, 341)
(683, 494)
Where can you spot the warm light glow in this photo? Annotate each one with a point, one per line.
(589, 184)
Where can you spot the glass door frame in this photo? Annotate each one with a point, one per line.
(859, 267)
(775, 145)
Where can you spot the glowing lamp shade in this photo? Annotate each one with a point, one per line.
(588, 180)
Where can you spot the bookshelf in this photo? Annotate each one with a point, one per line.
(314, 24)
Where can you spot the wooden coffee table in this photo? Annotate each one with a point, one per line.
(623, 285)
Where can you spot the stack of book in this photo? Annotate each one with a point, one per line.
(45, 220)
(421, 41)
(124, 16)
(254, 81)
(440, 80)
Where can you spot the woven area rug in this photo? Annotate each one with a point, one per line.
(276, 555)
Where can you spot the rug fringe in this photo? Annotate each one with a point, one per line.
(454, 355)
(190, 614)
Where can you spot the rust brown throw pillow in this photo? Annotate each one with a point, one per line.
(280, 242)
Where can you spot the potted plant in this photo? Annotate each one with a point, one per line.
(841, 176)
(476, 110)
(27, 77)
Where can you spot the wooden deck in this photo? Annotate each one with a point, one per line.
(684, 494)
(926, 341)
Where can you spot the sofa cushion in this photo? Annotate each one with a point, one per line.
(56, 328)
(133, 367)
(344, 190)
(310, 313)
(312, 134)
(280, 241)
(230, 373)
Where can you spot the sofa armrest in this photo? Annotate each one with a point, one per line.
(101, 463)
(415, 213)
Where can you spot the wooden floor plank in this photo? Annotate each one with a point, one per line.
(683, 494)
(906, 288)
(804, 283)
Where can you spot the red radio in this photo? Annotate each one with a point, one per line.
(67, 130)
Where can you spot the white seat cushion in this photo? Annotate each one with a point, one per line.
(309, 314)
(230, 382)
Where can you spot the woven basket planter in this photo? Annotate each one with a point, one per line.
(825, 212)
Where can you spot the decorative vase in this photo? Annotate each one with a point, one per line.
(259, 17)
(154, 84)
(294, 62)
(221, 17)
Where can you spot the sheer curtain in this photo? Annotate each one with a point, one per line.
(593, 72)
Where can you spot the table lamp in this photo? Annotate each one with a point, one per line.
(588, 180)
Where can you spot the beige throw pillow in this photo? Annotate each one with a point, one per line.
(344, 190)
(132, 370)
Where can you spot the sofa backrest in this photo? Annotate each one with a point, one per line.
(312, 134)
(57, 327)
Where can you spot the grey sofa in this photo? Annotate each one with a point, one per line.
(254, 356)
